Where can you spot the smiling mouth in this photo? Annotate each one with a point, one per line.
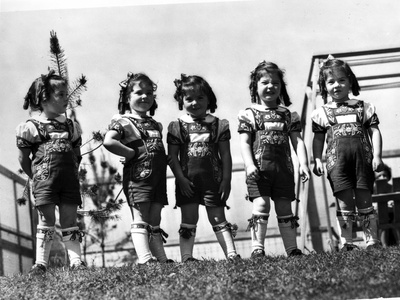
(269, 95)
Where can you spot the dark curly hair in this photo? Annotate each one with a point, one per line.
(327, 67)
(41, 90)
(126, 89)
(268, 68)
(190, 81)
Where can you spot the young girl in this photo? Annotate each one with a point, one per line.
(49, 153)
(266, 128)
(198, 146)
(138, 138)
(350, 159)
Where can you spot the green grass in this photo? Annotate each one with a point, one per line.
(357, 274)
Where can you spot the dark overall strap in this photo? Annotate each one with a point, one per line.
(43, 132)
(143, 132)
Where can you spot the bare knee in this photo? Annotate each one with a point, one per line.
(216, 215)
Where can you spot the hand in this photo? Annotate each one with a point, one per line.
(318, 168)
(304, 173)
(377, 164)
(252, 173)
(225, 189)
(186, 187)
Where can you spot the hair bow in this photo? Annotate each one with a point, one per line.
(37, 88)
(323, 62)
(178, 82)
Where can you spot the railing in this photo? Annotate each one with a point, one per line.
(16, 230)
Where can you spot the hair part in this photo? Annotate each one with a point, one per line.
(190, 82)
(334, 64)
(127, 87)
(268, 68)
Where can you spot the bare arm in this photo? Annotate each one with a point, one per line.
(247, 155)
(112, 143)
(25, 160)
(301, 151)
(376, 138)
(318, 147)
(184, 184)
(225, 153)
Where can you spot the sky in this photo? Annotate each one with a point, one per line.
(221, 41)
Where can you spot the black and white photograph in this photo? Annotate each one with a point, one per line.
(159, 149)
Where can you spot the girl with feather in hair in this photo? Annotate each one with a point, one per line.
(49, 153)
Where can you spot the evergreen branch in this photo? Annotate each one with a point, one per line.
(78, 87)
(57, 56)
(96, 136)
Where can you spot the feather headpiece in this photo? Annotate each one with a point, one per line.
(60, 64)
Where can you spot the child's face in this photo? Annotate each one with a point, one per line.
(57, 103)
(195, 102)
(141, 99)
(338, 85)
(269, 89)
(383, 175)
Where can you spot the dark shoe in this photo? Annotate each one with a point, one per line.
(234, 258)
(295, 252)
(191, 259)
(37, 270)
(349, 247)
(169, 261)
(78, 266)
(258, 253)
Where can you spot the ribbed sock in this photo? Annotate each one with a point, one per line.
(287, 230)
(44, 240)
(224, 236)
(187, 234)
(156, 245)
(259, 230)
(345, 222)
(72, 239)
(369, 225)
(140, 239)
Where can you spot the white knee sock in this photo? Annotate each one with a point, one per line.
(258, 225)
(345, 220)
(72, 240)
(224, 236)
(287, 227)
(187, 234)
(44, 240)
(156, 244)
(370, 225)
(140, 239)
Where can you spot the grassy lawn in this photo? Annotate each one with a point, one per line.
(360, 274)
